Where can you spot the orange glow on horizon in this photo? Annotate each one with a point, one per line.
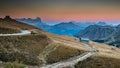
(63, 10)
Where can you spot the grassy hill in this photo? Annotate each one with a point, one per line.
(14, 24)
(106, 57)
(34, 49)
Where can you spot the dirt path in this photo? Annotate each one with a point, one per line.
(72, 61)
(24, 32)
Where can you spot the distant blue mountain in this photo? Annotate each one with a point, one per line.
(65, 29)
(102, 23)
(96, 32)
(62, 29)
(84, 25)
(37, 22)
(30, 20)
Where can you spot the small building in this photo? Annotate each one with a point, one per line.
(82, 39)
(8, 18)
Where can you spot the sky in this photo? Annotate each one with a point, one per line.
(63, 10)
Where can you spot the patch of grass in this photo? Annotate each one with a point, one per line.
(8, 30)
(15, 24)
(62, 53)
(23, 48)
(99, 62)
(14, 64)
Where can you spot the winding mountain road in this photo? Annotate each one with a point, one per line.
(23, 32)
(70, 62)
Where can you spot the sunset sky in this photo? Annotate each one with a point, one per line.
(63, 10)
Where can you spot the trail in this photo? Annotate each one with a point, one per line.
(48, 49)
(72, 61)
(23, 32)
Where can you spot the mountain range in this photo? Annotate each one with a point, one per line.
(114, 38)
(95, 32)
(63, 28)
(37, 22)
(105, 34)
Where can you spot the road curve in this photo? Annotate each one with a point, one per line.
(23, 32)
(72, 61)
(69, 63)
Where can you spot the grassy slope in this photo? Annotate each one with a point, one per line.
(29, 48)
(62, 53)
(23, 48)
(99, 62)
(13, 24)
(106, 57)
(106, 51)
(66, 47)
(8, 30)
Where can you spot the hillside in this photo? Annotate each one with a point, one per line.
(96, 32)
(107, 56)
(23, 48)
(35, 49)
(103, 34)
(114, 39)
(13, 24)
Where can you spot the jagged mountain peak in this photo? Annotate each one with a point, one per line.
(68, 24)
(101, 23)
(30, 20)
(37, 19)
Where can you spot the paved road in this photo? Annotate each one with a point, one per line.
(23, 32)
(72, 61)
